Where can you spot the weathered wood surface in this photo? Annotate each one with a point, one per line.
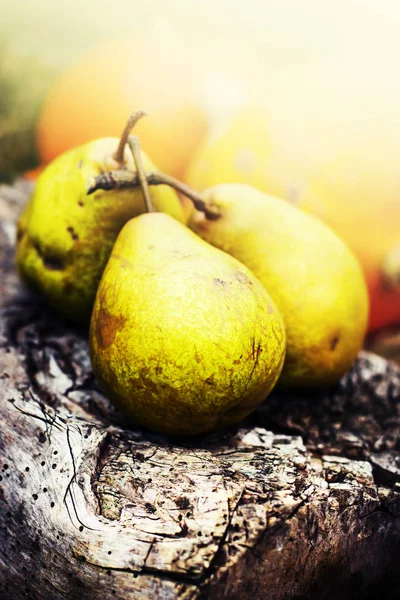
(301, 501)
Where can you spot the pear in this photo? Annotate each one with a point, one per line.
(312, 276)
(183, 337)
(64, 236)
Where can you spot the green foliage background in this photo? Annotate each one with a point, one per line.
(23, 83)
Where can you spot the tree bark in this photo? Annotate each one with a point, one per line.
(299, 501)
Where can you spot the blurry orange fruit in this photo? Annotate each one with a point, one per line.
(33, 174)
(94, 97)
(350, 182)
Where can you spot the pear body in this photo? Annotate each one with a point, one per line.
(312, 276)
(65, 237)
(183, 337)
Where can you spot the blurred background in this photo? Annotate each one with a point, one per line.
(298, 98)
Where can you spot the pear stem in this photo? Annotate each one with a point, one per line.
(134, 145)
(198, 201)
(123, 179)
(133, 119)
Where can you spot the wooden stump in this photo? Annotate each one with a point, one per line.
(300, 501)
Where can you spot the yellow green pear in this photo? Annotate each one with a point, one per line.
(312, 276)
(64, 236)
(183, 337)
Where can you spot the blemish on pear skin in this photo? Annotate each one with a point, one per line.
(277, 334)
(218, 281)
(107, 327)
(80, 164)
(73, 234)
(125, 263)
(50, 261)
(53, 263)
(255, 351)
(334, 342)
(242, 277)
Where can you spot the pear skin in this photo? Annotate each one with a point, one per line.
(64, 237)
(183, 337)
(312, 276)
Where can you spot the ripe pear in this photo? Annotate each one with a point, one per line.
(64, 237)
(183, 337)
(312, 276)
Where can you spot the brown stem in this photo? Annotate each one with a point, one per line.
(134, 145)
(198, 201)
(113, 180)
(133, 119)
